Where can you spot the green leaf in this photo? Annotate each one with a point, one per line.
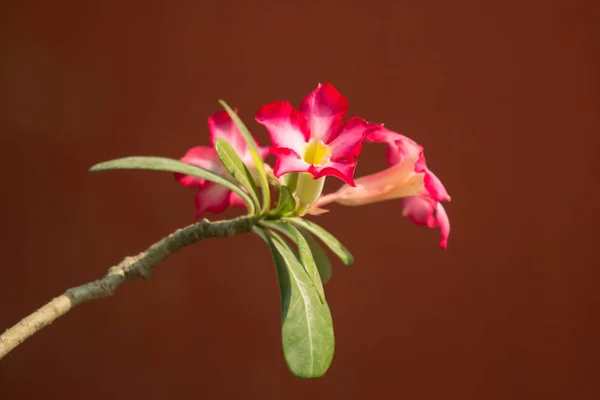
(320, 256)
(286, 203)
(236, 167)
(307, 326)
(304, 251)
(258, 162)
(326, 238)
(170, 165)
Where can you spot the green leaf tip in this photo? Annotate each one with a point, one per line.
(175, 166)
(334, 245)
(320, 256)
(236, 167)
(258, 162)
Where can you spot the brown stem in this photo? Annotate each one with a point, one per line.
(140, 266)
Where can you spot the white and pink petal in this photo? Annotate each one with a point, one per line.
(222, 126)
(201, 156)
(289, 161)
(399, 147)
(286, 126)
(211, 197)
(342, 169)
(349, 141)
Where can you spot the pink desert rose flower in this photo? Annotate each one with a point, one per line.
(210, 196)
(314, 140)
(407, 178)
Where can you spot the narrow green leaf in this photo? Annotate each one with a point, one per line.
(320, 256)
(326, 238)
(170, 165)
(258, 162)
(286, 203)
(304, 251)
(236, 167)
(307, 326)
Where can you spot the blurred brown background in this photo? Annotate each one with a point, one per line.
(503, 95)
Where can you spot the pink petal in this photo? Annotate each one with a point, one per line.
(236, 201)
(399, 147)
(420, 210)
(211, 197)
(285, 124)
(435, 187)
(342, 169)
(263, 151)
(222, 126)
(424, 211)
(324, 110)
(444, 223)
(289, 161)
(349, 142)
(432, 183)
(202, 156)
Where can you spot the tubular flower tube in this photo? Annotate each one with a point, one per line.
(210, 196)
(313, 141)
(408, 178)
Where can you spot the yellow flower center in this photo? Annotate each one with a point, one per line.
(316, 152)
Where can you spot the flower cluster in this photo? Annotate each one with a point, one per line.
(313, 142)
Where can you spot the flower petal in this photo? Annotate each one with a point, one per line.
(399, 147)
(285, 124)
(236, 201)
(432, 183)
(289, 161)
(313, 210)
(211, 197)
(324, 110)
(358, 195)
(349, 142)
(342, 169)
(202, 156)
(425, 211)
(420, 209)
(404, 151)
(444, 223)
(221, 125)
(263, 151)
